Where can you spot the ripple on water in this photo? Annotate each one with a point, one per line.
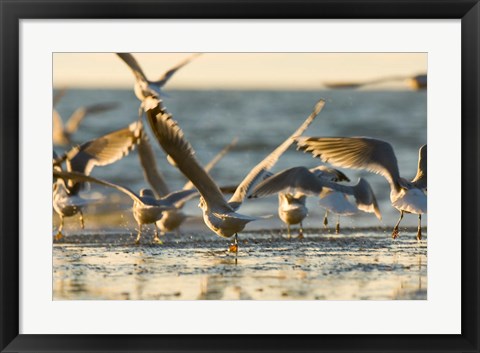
(355, 266)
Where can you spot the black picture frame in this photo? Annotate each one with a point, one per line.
(12, 11)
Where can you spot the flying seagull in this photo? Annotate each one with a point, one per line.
(143, 87)
(172, 219)
(417, 82)
(62, 133)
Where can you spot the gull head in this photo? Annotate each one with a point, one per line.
(146, 192)
(142, 89)
(202, 204)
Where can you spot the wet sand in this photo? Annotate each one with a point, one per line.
(359, 264)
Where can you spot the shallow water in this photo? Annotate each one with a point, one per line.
(356, 265)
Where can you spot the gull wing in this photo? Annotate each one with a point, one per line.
(420, 180)
(74, 122)
(57, 123)
(292, 179)
(173, 142)
(353, 85)
(362, 192)
(104, 150)
(81, 178)
(374, 155)
(58, 96)
(256, 174)
(214, 160)
(58, 160)
(189, 185)
(133, 65)
(167, 75)
(331, 174)
(178, 196)
(149, 166)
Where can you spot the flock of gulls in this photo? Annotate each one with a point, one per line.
(162, 207)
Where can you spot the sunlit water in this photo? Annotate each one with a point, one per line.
(101, 262)
(353, 266)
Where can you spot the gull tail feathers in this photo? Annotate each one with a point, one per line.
(365, 198)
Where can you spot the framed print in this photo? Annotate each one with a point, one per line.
(159, 107)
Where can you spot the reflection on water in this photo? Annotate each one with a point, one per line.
(355, 266)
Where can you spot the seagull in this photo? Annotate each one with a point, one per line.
(172, 219)
(293, 184)
(102, 151)
(292, 209)
(333, 201)
(416, 82)
(62, 134)
(66, 205)
(218, 214)
(146, 208)
(376, 156)
(143, 87)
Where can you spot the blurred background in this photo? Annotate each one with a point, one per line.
(261, 99)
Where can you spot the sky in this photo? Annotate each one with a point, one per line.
(282, 71)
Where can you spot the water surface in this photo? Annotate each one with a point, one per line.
(358, 265)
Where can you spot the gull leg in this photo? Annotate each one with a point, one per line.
(139, 234)
(325, 220)
(300, 233)
(395, 229)
(419, 231)
(82, 222)
(140, 112)
(234, 248)
(337, 227)
(156, 239)
(59, 234)
(288, 228)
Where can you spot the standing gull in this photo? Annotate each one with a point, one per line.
(218, 214)
(102, 151)
(334, 201)
(376, 156)
(293, 184)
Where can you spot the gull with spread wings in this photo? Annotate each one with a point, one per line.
(143, 87)
(172, 219)
(334, 201)
(416, 82)
(218, 214)
(102, 151)
(376, 156)
(294, 184)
